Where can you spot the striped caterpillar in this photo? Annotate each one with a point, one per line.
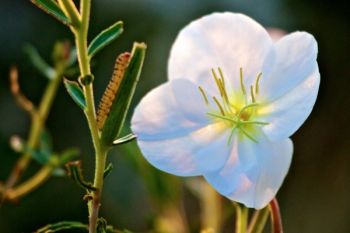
(108, 96)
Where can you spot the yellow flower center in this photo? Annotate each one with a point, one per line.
(237, 110)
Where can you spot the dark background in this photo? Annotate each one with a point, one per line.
(315, 196)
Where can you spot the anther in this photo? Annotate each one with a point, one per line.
(204, 95)
(220, 83)
(219, 105)
(257, 83)
(252, 93)
(222, 77)
(241, 81)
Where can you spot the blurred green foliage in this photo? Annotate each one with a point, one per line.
(315, 195)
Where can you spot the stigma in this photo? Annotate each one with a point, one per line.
(237, 108)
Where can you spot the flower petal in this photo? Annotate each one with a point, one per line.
(190, 100)
(295, 60)
(203, 150)
(175, 133)
(225, 40)
(286, 114)
(159, 115)
(254, 171)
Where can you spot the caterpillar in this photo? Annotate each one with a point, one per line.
(109, 94)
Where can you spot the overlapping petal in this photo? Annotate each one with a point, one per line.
(160, 115)
(225, 40)
(295, 61)
(254, 171)
(174, 131)
(287, 113)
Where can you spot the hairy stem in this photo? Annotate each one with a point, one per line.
(90, 112)
(96, 196)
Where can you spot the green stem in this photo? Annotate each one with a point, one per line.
(211, 208)
(49, 96)
(90, 112)
(100, 156)
(81, 38)
(38, 122)
(241, 218)
(70, 11)
(96, 195)
(258, 222)
(40, 177)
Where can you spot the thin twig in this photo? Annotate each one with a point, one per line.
(276, 220)
(20, 98)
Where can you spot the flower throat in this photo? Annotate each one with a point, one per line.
(237, 109)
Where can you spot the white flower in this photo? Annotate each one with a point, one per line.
(232, 100)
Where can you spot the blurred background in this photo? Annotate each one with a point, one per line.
(315, 194)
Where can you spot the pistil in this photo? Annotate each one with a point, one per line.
(231, 110)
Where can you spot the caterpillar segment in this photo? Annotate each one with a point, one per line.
(111, 90)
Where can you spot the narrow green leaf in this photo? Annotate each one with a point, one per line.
(75, 172)
(108, 170)
(68, 155)
(38, 62)
(61, 226)
(52, 8)
(105, 37)
(43, 153)
(72, 57)
(125, 139)
(38, 156)
(75, 92)
(101, 225)
(121, 103)
(59, 172)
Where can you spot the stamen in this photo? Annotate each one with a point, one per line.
(222, 77)
(220, 83)
(257, 83)
(239, 118)
(219, 105)
(204, 95)
(252, 93)
(225, 92)
(241, 81)
(217, 81)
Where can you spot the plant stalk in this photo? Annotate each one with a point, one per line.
(258, 221)
(276, 219)
(26, 187)
(71, 11)
(211, 208)
(241, 218)
(90, 112)
(38, 123)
